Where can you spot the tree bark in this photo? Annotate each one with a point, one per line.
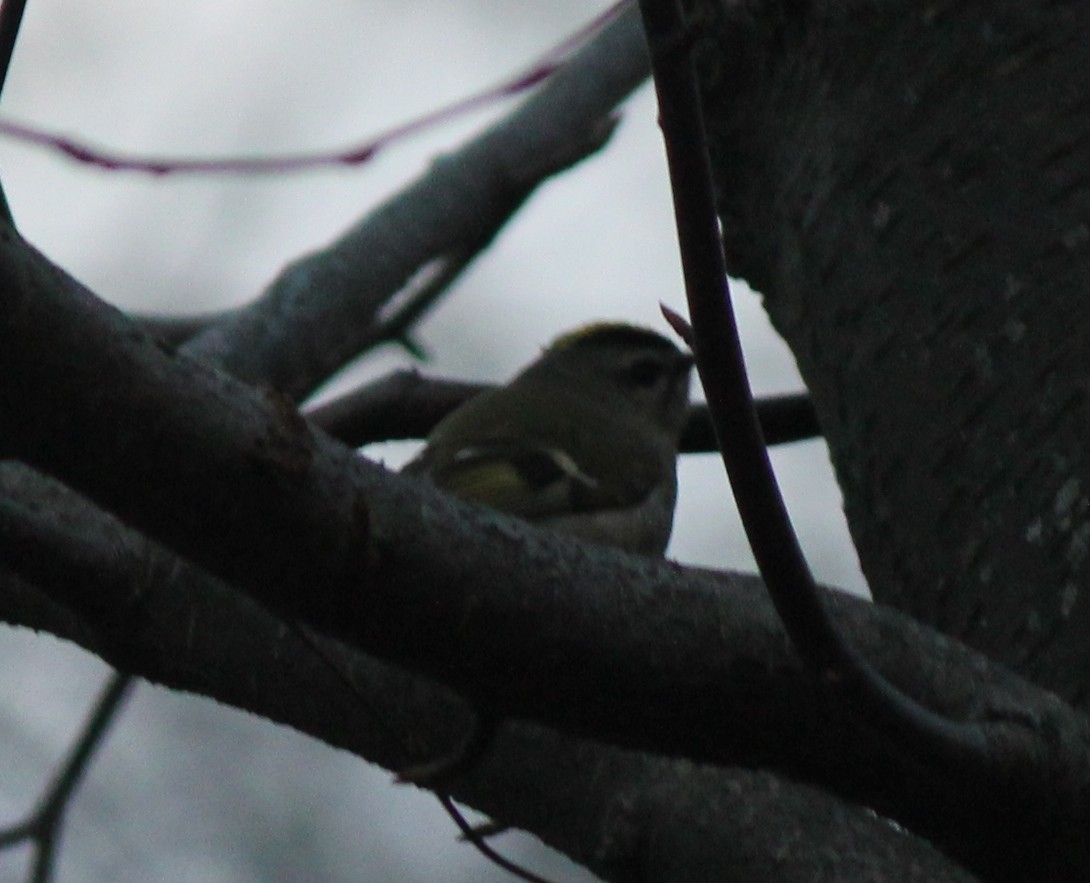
(907, 186)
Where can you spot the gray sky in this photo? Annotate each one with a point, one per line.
(187, 790)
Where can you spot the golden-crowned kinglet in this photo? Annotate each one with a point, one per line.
(583, 441)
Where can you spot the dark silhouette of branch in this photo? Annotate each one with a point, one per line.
(391, 564)
(43, 826)
(11, 18)
(123, 589)
(722, 370)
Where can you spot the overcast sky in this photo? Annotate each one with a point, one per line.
(187, 790)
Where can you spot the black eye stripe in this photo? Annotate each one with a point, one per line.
(645, 372)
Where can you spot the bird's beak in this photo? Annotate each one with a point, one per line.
(679, 323)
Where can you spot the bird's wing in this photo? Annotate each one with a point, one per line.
(531, 482)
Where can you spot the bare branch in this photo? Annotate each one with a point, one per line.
(322, 308)
(358, 154)
(722, 369)
(43, 825)
(583, 638)
(139, 602)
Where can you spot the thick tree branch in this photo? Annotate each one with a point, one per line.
(585, 639)
(613, 810)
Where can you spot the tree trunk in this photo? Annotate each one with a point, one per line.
(907, 185)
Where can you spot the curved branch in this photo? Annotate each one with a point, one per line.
(137, 601)
(583, 638)
(722, 370)
(42, 827)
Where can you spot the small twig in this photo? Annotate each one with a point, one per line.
(358, 154)
(412, 303)
(722, 371)
(43, 825)
(469, 832)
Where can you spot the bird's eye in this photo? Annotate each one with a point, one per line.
(644, 372)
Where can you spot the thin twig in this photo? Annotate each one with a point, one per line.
(469, 833)
(43, 825)
(474, 837)
(722, 371)
(413, 302)
(358, 154)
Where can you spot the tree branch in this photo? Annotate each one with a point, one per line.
(315, 315)
(612, 810)
(173, 624)
(42, 827)
(721, 364)
(588, 640)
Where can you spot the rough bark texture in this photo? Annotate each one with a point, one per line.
(907, 185)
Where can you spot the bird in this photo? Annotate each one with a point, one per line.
(584, 440)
